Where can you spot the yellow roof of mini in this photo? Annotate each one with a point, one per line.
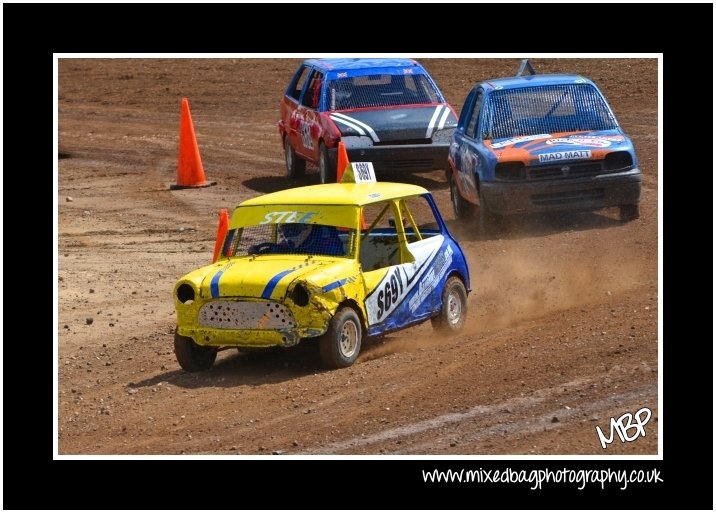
(355, 194)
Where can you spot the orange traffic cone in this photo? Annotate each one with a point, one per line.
(190, 172)
(221, 232)
(342, 161)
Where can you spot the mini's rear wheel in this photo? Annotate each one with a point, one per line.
(454, 310)
(340, 345)
(191, 356)
(295, 166)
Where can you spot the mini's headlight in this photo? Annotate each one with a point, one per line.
(299, 295)
(185, 294)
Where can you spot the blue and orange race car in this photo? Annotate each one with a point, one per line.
(387, 111)
(539, 143)
(335, 262)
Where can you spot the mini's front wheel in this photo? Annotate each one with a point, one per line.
(191, 356)
(340, 345)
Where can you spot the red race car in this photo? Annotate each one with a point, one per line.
(386, 111)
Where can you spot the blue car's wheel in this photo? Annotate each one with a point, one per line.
(490, 223)
(629, 212)
(463, 209)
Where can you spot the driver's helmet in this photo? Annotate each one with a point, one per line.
(295, 233)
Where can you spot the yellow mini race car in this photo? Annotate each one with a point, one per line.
(334, 262)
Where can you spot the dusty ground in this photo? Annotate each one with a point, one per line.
(562, 331)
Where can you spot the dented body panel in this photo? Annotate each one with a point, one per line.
(262, 314)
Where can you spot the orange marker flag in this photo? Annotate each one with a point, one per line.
(221, 232)
(342, 161)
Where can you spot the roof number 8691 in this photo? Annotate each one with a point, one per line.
(364, 172)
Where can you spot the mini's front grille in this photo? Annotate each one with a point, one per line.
(246, 315)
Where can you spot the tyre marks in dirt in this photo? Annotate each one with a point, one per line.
(480, 424)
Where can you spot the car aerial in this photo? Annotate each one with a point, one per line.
(538, 143)
(387, 111)
(336, 262)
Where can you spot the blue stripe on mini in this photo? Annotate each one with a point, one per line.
(271, 285)
(215, 283)
(334, 285)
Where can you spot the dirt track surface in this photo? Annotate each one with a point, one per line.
(562, 325)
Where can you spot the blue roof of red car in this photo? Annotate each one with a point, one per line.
(534, 80)
(340, 64)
